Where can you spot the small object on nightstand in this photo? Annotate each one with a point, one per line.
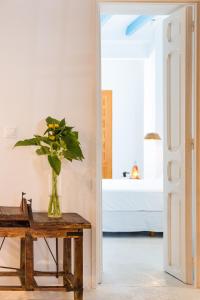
(125, 174)
(135, 172)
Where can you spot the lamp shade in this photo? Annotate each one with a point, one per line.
(152, 136)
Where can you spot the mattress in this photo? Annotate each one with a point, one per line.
(132, 195)
(132, 205)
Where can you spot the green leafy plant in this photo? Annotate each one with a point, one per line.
(58, 142)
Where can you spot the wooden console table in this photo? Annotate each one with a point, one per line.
(69, 227)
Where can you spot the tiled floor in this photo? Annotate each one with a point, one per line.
(132, 271)
(135, 260)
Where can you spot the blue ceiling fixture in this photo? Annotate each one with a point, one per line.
(137, 24)
(105, 18)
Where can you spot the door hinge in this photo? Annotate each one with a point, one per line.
(193, 26)
(192, 143)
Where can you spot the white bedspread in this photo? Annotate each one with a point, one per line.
(132, 205)
(132, 195)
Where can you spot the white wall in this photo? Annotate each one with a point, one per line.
(47, 59)
(159, 95)
(150, 154)
(153, 107)
(124, 49)
(126, 79)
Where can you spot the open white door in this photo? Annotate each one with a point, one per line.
(178, 143)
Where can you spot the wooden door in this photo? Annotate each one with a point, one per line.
(177, 144)
(107, 134)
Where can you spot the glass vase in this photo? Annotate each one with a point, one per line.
(54, 210)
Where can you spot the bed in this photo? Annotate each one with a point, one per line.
(132, 205)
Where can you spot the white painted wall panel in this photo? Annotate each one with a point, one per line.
(47, 67)
(126, 79)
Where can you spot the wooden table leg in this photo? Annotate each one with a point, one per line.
(22, 261)
(29, 263)
(67, 263)
(57, 259)
(78, 268)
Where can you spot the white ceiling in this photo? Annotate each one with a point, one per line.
(114, 29)
(116, 44)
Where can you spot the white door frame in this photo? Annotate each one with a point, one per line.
(97, 259)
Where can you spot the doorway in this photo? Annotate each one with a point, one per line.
(161, 20)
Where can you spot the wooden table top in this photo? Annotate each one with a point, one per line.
(12, 214)
(67, 221)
